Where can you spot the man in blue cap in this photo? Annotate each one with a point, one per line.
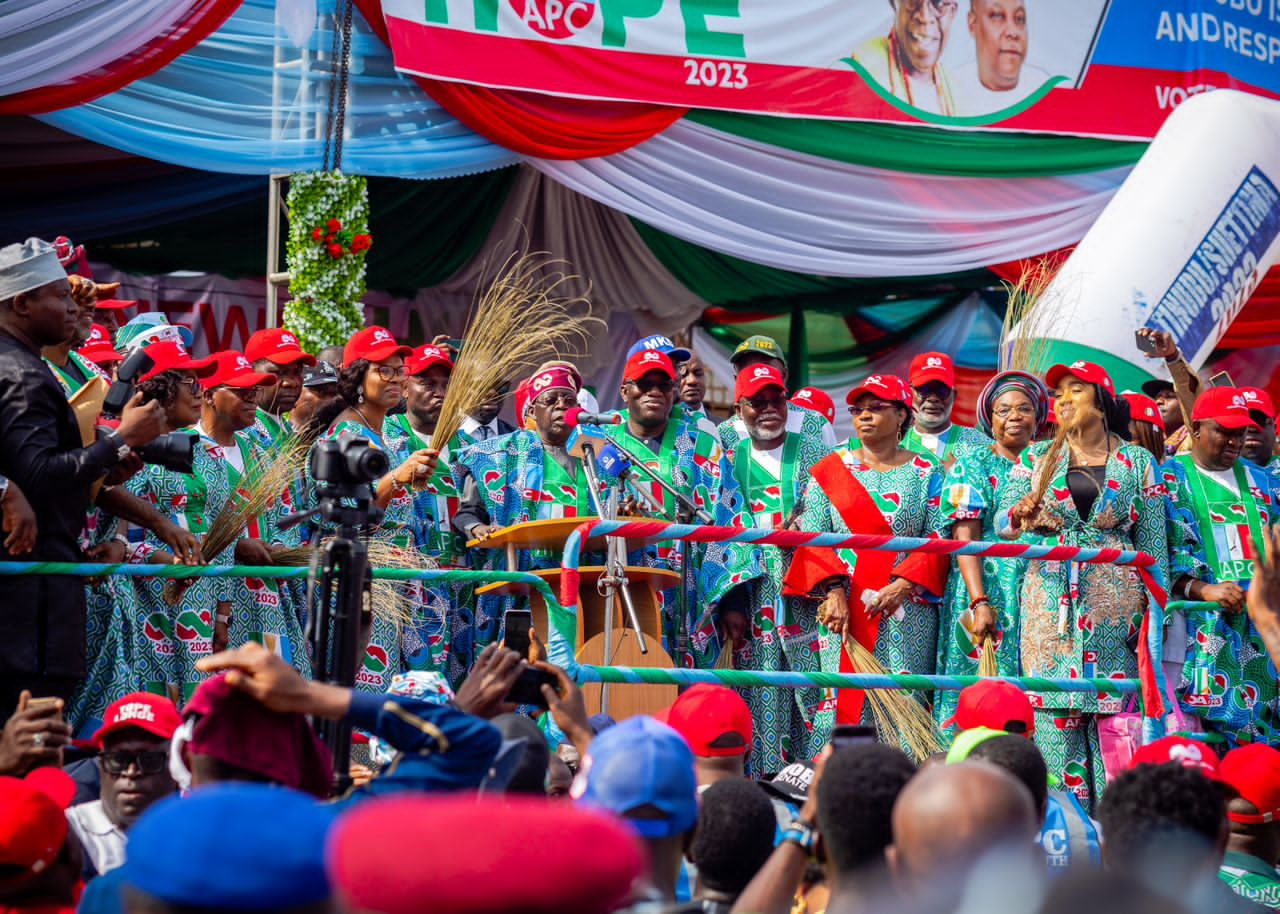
(642, 770)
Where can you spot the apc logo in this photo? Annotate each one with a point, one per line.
(555, 18)
(542, 382)
(933, 362)
(96, 336)
(651, 355)
(382, 336)
(288, 341)
(761, 371)
(242, 364)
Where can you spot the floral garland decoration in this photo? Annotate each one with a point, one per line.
(328, 240)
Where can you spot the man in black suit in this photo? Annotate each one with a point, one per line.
(42, 618)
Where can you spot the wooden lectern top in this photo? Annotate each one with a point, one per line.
(540, 534)
(658, 578)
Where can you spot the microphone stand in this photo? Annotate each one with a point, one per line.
(615, 574)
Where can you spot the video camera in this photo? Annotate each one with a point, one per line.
(174, 451)
(344, 470)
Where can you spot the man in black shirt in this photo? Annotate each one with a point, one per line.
(42, 619)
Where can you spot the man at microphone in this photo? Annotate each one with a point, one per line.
(681, 447)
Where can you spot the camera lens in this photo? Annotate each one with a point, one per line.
(367, 463)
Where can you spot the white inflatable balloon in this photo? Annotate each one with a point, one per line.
(1180, 247)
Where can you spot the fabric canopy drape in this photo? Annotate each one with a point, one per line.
(132, 64)
(798, 212)
(542, 126)
(245, 101)
(43, 42)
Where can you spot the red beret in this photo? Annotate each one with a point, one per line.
(457, 855)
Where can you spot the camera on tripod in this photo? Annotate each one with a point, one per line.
(174, 451)
(344, 470)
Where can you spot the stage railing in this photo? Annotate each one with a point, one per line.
(1150, 687)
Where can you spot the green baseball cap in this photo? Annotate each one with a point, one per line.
(764, 345)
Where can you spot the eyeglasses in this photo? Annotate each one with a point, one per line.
(876, 407)
(192, 385)
(759, 402)
(1001, 412)
(243, 393)
(551, 400)
(151, 761)
(387, 373)
(661, 385)
(934, 390)
(938, 7)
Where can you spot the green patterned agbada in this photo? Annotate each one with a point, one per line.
(1083, 620)
(789, 724)
(1228, 680)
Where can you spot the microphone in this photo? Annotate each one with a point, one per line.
(579, 416)
(614, 464)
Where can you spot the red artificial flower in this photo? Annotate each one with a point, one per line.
(334, 225)
(335, 251)
(317, 234)
(361, 243)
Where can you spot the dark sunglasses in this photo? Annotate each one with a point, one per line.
(151, 761)
(661, 385)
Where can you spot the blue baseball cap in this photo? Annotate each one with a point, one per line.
(663, 344)
(232, 847)
(642, 763)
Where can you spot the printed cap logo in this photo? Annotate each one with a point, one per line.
(933, 362)
(874, 379)
(1077, 364)
(288, 341)
(804, 395)
(431, 352)
(382, 336)
(135, 711)
(96, 336)
(659, 342)
(761, 371)
(1150, 411)
(242, 364)
(1191, 752)
(1238, 401)
(652, 355)
(541, 382)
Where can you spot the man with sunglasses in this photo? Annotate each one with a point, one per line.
(933, 388)
(134, 762)
(681, 447)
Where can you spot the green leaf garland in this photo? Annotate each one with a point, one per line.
(328, 241)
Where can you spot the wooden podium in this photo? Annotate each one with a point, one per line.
(591, 646)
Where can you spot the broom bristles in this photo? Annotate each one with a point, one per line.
(1024, 338)
(987, 665)
(896, 713)
(525, 317)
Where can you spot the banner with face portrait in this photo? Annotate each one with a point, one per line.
(1108, 68)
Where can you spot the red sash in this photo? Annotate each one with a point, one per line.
(872, 568)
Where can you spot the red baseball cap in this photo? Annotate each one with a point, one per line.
(424, 357)
(480, 850)
(932, 366)
(1253, 772)
(115, 304)
(232, 369)
(1258, 401)
(817, 400)
(152, 714)
(375, 344)
(170, 355)
(885, 386)
(277, 345)
(755, 378)
(1144, 409)
(1186, 752)
(714, 720)
(1225, 406)
(98, 347)
(33, 819)
(645, 361)
(994, 704)
(1085, 371)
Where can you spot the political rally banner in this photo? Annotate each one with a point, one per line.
(1181, 246)
(1108, 68)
